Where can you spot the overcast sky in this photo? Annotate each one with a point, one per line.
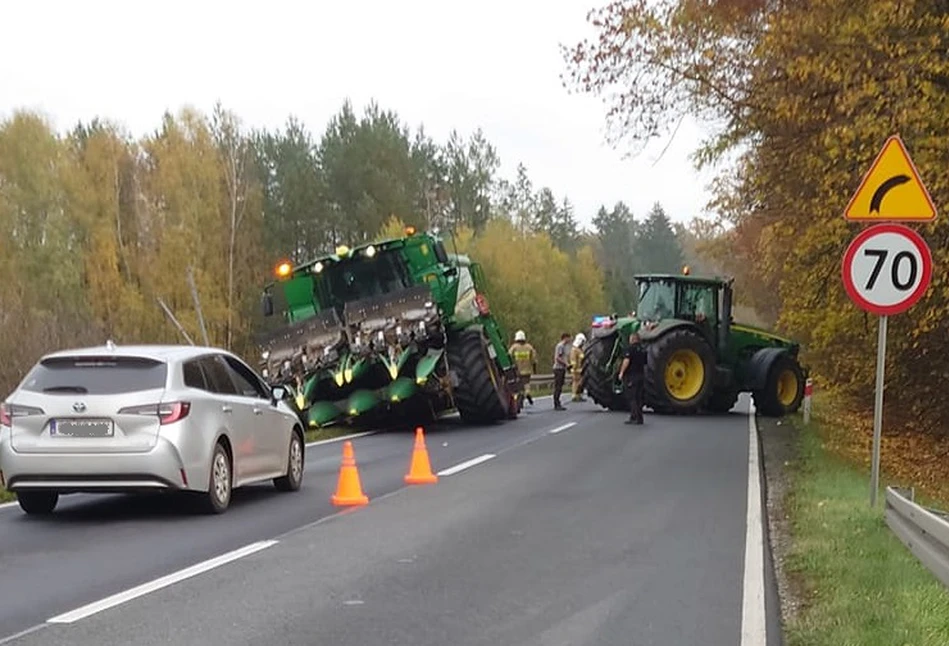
(491, 64)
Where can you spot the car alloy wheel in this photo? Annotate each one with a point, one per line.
(221, 478)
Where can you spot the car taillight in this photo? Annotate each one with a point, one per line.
(167, 412)
(9, 411)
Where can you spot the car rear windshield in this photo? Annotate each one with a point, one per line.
(96, 375)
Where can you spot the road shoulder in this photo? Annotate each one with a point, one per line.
(778, 440)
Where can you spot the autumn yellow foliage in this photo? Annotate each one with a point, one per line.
(100, 226)
(806, 93)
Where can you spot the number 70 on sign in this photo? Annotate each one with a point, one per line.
(887, 269)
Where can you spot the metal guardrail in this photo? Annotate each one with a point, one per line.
(544, 381)
(925, 532)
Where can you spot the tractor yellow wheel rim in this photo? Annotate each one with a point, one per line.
(787, 387)
(685, 374)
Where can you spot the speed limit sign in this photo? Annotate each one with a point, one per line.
(887, 269)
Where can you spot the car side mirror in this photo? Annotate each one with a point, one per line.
(266, 304)
(276, 394)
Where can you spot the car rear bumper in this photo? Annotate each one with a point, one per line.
(158, 469)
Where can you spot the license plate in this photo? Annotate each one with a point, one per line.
(81, 428)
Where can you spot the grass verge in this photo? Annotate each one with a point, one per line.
(856, 583)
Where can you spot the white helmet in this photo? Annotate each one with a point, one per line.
(579, 340)
(520, 336)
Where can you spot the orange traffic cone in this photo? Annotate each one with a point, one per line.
(420, 471)
(349, 489)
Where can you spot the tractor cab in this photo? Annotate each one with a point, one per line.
(704, 301)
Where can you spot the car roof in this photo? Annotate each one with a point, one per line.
(166, 353)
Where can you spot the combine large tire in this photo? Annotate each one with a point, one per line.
(784, 388)
(680, 372)
(480, 396)
(596, 376)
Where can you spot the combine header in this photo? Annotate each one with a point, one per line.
(394, 328)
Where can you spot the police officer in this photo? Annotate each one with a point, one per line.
(525, 357)
(633, 374)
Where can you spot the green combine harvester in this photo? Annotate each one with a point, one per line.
(699, 359)
(389, 330)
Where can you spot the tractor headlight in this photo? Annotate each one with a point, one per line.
(370, 251)
(317, 268)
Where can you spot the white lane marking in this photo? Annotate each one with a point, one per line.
(158, 584)
(754, 626)
(564, 427)
(450, 471)
(341, 438)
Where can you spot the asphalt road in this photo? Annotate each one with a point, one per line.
(600, 533)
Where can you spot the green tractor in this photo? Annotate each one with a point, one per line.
(699, 358)
(394, 329)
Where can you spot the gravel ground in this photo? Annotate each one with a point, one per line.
(778, 441)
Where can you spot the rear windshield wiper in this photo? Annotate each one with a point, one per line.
(66, 389)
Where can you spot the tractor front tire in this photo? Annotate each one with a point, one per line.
(597, 377)
(679, 373)
(783, 389)
(481, 395)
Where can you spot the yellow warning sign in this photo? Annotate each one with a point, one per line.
(891, 189)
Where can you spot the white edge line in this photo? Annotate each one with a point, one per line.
(754, 625)
(341, 438)
(564, 427)
(158, 584)
(450, 471)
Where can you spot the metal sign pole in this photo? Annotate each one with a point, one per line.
(878, 412)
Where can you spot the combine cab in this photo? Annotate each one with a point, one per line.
(400, 327)
(699, 359)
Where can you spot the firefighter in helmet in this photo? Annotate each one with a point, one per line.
(576, 366)
(525, 358)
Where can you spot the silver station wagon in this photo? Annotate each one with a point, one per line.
(145, 418)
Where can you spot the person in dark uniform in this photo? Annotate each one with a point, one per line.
(560, 368)
(632, 373)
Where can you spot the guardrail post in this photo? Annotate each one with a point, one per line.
(808, 391)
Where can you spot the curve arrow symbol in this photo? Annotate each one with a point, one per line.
(885, 188)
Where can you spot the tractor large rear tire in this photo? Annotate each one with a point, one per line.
(596, 376)
(680, 373)
(481, 395)
(784, 388)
